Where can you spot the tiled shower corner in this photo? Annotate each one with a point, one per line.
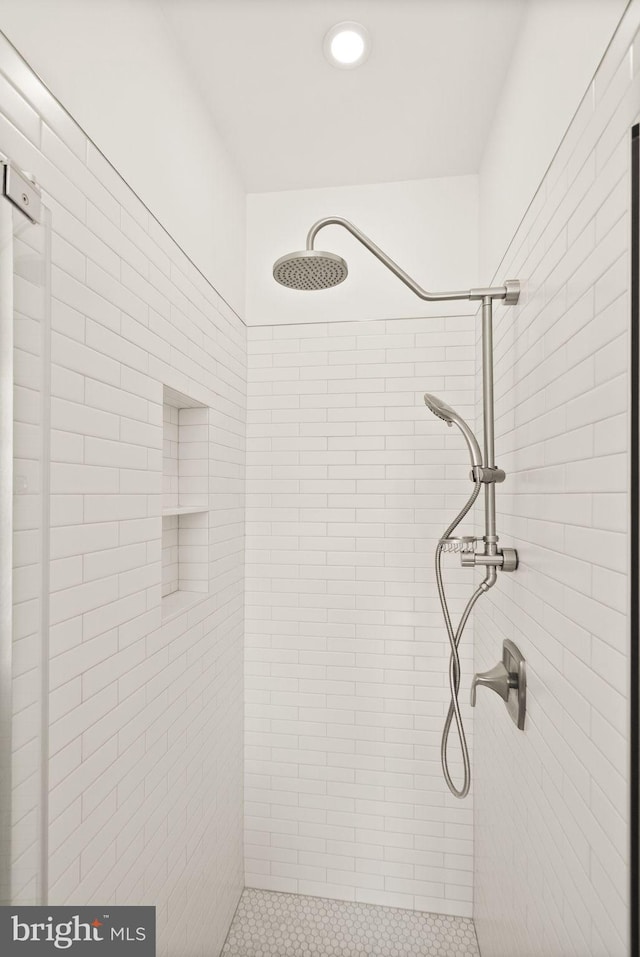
(345, 650)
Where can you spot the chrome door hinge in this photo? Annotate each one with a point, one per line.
(23, 193)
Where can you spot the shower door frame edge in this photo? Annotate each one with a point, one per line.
(634, 590)
(41, 217)
(6, 530)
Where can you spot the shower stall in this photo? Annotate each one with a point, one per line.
(261, 564)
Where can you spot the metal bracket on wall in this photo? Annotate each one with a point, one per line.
(21, 191)
(505, 558)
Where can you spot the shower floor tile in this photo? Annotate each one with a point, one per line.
(269, 924)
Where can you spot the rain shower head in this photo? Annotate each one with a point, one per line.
(451, 417)
(310, 269)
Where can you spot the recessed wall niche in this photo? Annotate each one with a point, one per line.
(185, 502)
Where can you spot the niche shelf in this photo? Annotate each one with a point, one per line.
(185, 502)
(181, 510)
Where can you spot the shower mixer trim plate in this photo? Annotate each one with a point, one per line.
(509, 680)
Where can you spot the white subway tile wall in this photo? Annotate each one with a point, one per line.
(146, 720)
(551, 805)
(170, 523)
(170, 563)
(350, 482)
(170, 437)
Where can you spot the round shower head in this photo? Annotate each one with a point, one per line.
(310, 269)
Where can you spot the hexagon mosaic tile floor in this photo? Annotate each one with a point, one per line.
(269, 924)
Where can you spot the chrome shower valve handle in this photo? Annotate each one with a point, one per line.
(498, 679)
(509, 680)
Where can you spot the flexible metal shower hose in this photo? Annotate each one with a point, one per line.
(454, 660)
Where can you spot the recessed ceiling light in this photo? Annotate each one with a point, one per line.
(347, 44)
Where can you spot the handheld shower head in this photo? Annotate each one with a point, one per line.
(439, 407)
(310, 269)
(451, 417)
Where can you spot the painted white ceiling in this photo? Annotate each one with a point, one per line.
(421, 106)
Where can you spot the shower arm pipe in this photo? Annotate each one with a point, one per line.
(508, 292)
